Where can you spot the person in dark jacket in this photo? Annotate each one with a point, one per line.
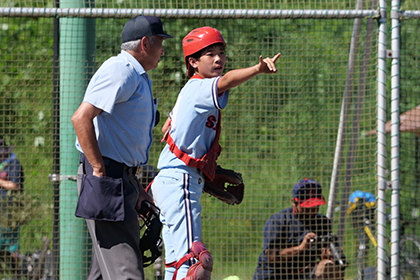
(290, 236)
(11, 181)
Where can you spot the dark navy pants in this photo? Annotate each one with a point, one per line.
(116, 252)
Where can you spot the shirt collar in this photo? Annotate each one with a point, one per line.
(195, 76)
(134, 62)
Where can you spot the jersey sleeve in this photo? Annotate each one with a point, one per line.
(221, 98)
(203, 93)
(114, 82)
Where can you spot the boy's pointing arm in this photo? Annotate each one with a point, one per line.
(236, 77)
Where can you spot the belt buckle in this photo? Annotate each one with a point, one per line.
(132, 170)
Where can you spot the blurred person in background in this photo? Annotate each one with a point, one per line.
(11, 181)
(290, 236)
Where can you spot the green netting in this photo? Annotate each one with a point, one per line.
(277, 128)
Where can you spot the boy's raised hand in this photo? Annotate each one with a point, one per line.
(267, 65)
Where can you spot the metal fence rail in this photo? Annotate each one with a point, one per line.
(184, 13)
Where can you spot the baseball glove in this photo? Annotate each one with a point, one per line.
(233, 192)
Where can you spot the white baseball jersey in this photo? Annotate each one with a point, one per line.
(194, 120)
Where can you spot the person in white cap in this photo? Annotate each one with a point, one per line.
(293, 238)
(114, 126)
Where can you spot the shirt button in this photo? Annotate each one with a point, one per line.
(199, 181)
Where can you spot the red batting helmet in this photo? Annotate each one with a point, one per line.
(197, 40)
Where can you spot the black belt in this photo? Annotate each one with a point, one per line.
(130, 170)
(113, 168)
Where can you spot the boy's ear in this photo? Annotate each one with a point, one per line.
(193, 62)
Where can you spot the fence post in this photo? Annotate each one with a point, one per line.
(395, 138)
(381, 143)
(77, 44)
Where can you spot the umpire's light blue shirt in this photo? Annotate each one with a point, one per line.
(122, 89)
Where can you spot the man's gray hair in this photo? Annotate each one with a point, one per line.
(132, 45)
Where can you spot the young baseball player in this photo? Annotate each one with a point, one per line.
(192, 132)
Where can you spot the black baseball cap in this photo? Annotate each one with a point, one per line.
(141, 26)
(308, 193)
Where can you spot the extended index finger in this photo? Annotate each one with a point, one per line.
(276, 57)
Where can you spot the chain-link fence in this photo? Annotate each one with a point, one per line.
(316, 118)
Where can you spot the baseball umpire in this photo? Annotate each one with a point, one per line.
(114, 133)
